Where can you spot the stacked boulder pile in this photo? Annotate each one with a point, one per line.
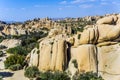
(96, 50)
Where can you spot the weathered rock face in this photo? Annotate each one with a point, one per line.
(109, 57)
(10, 30)
(96, 50)
(86, 56)
(108, 32)
(102, 31)
(108, 20)
(89, 36)
(51, 55)
(34, 56)
(10, 43)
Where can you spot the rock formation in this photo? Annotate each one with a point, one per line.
(96, 50)
(86, 56)
(52, 55)
(10, 43)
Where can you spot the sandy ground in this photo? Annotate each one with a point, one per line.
(18, 75)
(10, 75)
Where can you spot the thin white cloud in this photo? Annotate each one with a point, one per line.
(69, 6)
(7, 9)
(77, 1)
(104, 3)
(60, 9)
(81, 1)
(37, 6)
(23, 8)
(85, 6)
(103, 0)
(93, 0)
(63, 2)
(116, 3)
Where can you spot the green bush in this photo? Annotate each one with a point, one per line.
(53, 76)
(15, 67)
(89, 76)
(29, 41)
(45, 76)
(1, 38)
(61, 76)
(79, 35)
(1, 78)
(2, 47)
(31, 72)
(75, 63)
(14, 59)
(1, 53)
(17, 50)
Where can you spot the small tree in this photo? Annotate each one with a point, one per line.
(89, 76)
(17, 50)
(15, 67)
(1, 53)
(14, 59)
(31, 72)
(53, 76)
(75, 63)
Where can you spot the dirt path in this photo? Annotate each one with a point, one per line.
(18, 75)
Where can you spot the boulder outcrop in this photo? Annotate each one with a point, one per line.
(108, 20)
(109, 57)
(52, 55)
(86, 56)
(95, 49)
(10, 43)
(101, 32)
(89, 36)
(34, 56)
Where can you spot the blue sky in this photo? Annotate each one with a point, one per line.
(21, 10)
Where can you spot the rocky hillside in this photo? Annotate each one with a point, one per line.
(73, 45)
(95, 49)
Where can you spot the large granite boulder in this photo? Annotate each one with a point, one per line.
(89, 36)
(10, 43)
(53, 55)
(86, 56)
(107, 20)
(34, 56)
(109, 57)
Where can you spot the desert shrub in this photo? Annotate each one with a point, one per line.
(15, 67)
(1, 38)
(53, 76)
(89, 76)
(80, 29)
(79, 36)
(1, 53)
(45, 76)
(14, 59)
(30, 41)
(46, 29)
(74, 30)
(31, 72)
(17, 50)
(2, 47)
(75, 63)
(61, 76)
(1, 78)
